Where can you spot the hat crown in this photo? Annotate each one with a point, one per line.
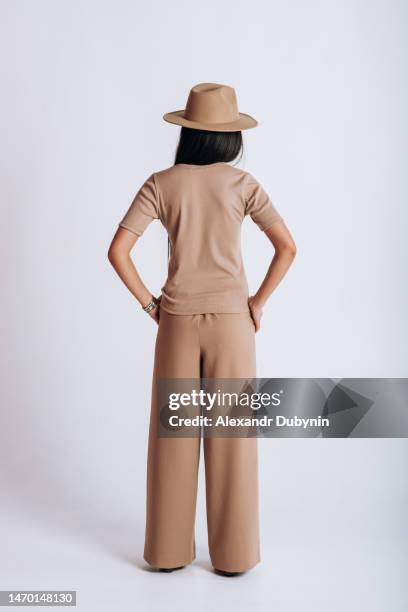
(212, 103)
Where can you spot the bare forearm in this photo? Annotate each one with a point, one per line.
(127, 272)
(280, 264)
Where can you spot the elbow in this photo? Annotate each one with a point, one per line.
(291, 250)
(111, 254)
(114, 254)
(288, 250)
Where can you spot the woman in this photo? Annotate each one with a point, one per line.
(207, 324)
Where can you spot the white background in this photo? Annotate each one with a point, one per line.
(84, 87)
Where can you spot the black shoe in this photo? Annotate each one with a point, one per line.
(228, 574)
(167, 570)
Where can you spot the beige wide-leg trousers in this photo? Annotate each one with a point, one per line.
(206, 346)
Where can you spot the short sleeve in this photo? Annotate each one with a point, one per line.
(258, 204)
(143, 209)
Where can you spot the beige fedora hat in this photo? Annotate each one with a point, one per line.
(213, 107)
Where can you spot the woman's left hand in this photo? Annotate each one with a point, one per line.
(256, 312)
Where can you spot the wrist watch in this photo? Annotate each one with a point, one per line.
(151, 305)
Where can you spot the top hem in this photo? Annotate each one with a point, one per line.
(206, 310)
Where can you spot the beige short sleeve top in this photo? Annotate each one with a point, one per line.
(202, 208)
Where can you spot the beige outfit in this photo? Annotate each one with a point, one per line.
(205, 331)
(202, 209)
(206, 346)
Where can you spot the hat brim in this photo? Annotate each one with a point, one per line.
(245, 122)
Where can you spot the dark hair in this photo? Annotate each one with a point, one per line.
(202, 147)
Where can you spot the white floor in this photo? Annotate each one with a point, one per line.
(343, 549)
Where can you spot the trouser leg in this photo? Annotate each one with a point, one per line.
(172, 464)
(231, 464)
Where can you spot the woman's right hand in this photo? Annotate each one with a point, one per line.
(155, 313)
